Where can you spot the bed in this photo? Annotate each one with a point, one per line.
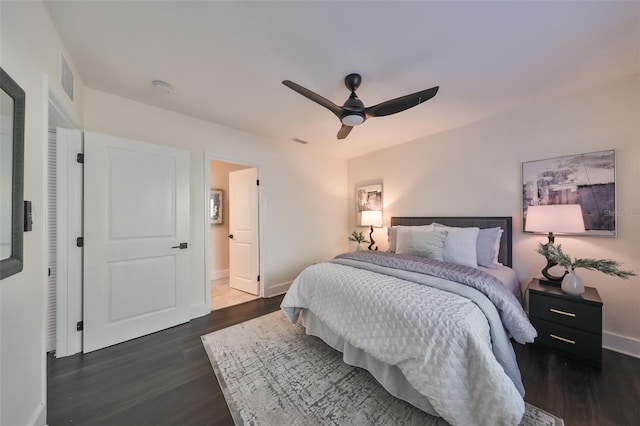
(430, 326)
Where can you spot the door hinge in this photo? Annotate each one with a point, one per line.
(80, 242)
(258, 182)
(80, 326)
(258, 278)
(80, 158)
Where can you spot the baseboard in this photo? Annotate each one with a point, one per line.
(218, 275)
(277, 289)
(39, 417)
(623, 344)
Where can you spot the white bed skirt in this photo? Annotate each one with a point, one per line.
(389, 376)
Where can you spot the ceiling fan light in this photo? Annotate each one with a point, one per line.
(352, 119)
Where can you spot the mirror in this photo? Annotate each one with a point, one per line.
(11, 175)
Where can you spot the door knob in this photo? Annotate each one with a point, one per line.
(181, 246)
(231, 236)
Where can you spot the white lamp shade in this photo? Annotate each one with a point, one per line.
(371, 218)
(556, 218)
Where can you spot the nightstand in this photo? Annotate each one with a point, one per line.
(569, 323)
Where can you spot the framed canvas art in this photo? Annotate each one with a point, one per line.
(585, 179)
(368, 198)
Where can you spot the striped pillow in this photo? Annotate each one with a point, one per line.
(393, 233)
(421, 242)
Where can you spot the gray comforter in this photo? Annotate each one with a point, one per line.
(513, 316)
(447, 338)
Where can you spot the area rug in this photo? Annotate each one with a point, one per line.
(272, 373)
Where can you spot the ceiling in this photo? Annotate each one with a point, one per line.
(226, 60)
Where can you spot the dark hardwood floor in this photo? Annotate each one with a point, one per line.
(166, 379)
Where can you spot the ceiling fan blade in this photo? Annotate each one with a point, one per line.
(314, 97)
(400, 104)
(344, 131)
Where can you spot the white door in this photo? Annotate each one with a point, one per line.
(136, 228)
(243, 231)
(68, 255)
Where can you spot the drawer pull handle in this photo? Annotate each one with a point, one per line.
(562, 339)
(555, 311)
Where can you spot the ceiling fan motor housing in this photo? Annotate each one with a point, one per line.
(354, 111)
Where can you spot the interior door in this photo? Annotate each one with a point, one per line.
(136, 228)
(69, 257)
(244, 261)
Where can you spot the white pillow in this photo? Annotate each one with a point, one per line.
(421, 242)
(460, 246)
(392, 234)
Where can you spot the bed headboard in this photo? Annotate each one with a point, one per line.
(504, 256)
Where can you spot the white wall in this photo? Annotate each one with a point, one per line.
(476, 170)
(219, 179)
(299, 190)
(304, 218)
(30, 53)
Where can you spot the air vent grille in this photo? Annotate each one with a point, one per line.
(66, 77)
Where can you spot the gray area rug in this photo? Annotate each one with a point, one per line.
(272, 373)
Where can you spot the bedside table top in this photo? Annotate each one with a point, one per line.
(590, 294)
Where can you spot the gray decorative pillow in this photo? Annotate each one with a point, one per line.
(488, 247)
(421, 242)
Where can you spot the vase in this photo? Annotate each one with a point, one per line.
(358, 248)
(572, 284)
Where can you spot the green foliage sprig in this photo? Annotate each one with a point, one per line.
(358, 237)
(606, 266)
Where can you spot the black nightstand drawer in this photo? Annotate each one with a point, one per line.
(575, 314)
(574, 341)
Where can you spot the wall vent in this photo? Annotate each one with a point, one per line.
(298, 140)
(66, 77)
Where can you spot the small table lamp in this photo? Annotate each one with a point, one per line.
(558, 218)
(371, 218)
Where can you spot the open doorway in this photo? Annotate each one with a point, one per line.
(221, 240)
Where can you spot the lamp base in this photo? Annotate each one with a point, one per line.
(551, 264)
(371, 246)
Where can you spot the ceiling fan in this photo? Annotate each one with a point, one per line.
(353, 112)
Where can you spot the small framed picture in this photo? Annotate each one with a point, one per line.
(215, 207)
(368, 198)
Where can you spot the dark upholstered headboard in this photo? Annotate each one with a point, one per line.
(504, 256)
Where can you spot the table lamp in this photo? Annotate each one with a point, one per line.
(554, 218)
(371, 218)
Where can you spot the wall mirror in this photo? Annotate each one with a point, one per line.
(11, 175)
